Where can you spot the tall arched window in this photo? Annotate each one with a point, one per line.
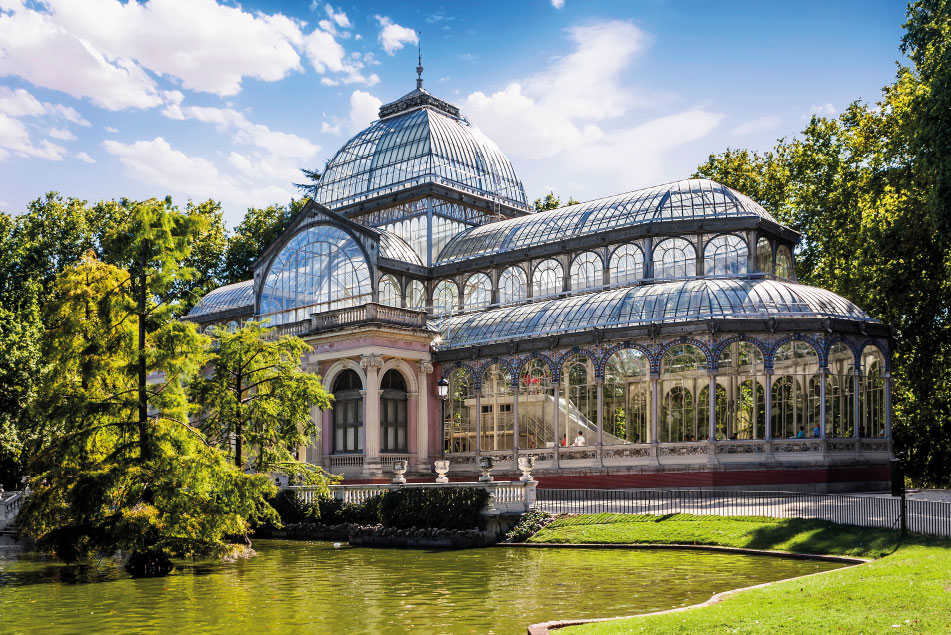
(627, 398)
(445, 298)
(872, 403)
(764, 256)
(674, 258)
(390, 291)
(459, 426)
(416, 295)
(579, 400)
(513, 285)
(347, 413)
(725, 255)
(795, 397)
(320, 269)
(477, 292)
(840, 392)
(627, 264)
(682, 377)
(547, 279)
(587, 271)
(536, 395)
(742, 376)
(784, 265)
(393, 412)
(498, 423)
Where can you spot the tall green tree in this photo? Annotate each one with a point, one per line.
(551, 201)
(257, 397)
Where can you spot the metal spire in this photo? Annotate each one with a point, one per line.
(419, 65)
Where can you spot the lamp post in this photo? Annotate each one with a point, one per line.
(442, 389)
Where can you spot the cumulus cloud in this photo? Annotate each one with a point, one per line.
(329, 128)
(393, 36)
(364, 108)
(84, 157)
(574, 123)
(15, 141)
(20, 103)
(280, 144)
(558, 4)
(63, 134)
(821, 110)
(760, 124)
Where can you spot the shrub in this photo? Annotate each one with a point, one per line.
(528, 525)
(292, 508)
(443, 507)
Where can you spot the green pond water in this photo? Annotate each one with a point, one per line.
(312, 587)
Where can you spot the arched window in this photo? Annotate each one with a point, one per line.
(682, 377)
(445, 298)
(840, 392)
(784, 265)
(393, 412)
(498, 423)
(627, 398)
(347, 413)
(872, 403)
(795, 397)
(459, 426)
(390, 291)
(764, 256)
(579, 401)
(725, 255)
(547, 279)
(536, 395)
(416, 295)
(741, 374)
(477, 292)
(513, 285)
(587, 271)
(627, 264)
(321, 268)
(674, 258)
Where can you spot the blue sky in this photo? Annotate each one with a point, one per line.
(198, 98)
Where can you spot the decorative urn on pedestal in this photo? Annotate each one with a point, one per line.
(399, 471)
(442, 468)
(485, 464)
(525, 465)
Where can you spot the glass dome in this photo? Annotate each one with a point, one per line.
(423, 145)
(239, 295)
(681, 200)
(659, 303)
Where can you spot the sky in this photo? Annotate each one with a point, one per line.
(102, 99)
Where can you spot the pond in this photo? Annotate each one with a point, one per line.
(311, 587)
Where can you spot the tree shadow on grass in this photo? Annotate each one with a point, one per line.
(822, 537)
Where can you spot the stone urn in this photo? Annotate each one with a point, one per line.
(442, 468)
(525, 465)
(485, 464)
(399, 472)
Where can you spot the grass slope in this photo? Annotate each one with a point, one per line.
(908, 589)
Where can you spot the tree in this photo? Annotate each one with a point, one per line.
(259, 228)
(551, 201)
(309, 189)
(257, 397)
(99, 481)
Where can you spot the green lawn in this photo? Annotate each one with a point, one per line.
(907, 589)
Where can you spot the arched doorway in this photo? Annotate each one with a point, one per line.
(393, 412)
(347, 413)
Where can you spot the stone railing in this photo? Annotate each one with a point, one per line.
(505, 497)
(344, 461)
(369, 312)
(9, 507)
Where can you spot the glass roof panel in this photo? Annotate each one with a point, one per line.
(691, 198)
(395, 248)
(232, 296)
(659, 303)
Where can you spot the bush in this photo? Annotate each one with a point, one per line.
(528, 525)
(292, 508)
(443, 507)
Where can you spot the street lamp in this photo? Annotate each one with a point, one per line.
(442, 389)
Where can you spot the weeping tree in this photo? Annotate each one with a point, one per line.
(255, 401)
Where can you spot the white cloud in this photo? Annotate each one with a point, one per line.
(63, 134)
(364, 108)
(760, 124)
(20, 103)
(84, 157)
(339, 17)
(278, 144)
(157, 164)
(15, 141)
(573, 123)
(111, 130)
(393, 36)
(558, 4)
(822, 110)
(328, 128)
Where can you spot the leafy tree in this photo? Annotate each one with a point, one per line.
(870, 191)
(551, 201)
(259, 228)
(257, 397)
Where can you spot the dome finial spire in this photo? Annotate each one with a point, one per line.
(419, 64)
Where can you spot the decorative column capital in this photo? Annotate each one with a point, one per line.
(371, 360)
(426, 368)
